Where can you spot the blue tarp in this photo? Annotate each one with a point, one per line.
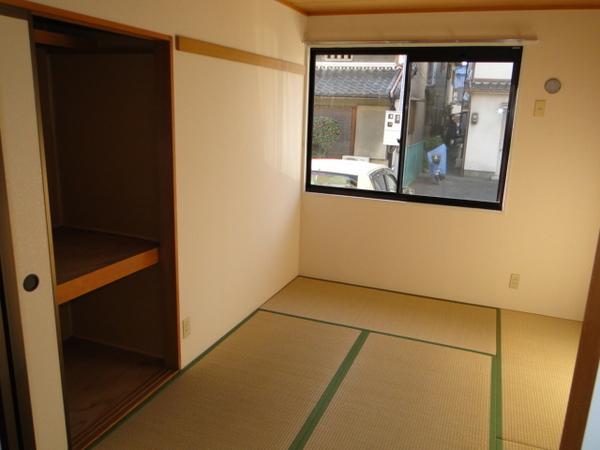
(439, 150)
(460, 75)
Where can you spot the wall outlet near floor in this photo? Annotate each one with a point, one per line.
(515, 279)
(186, 327)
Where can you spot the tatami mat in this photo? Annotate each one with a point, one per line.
(402, 394)
(507, 445)
(253, 391)
(465, 326)
(538, 359)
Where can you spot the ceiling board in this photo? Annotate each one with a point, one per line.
(331, 7)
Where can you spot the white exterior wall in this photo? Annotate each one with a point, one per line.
(484, 138)
(370, 123)
(493, 71)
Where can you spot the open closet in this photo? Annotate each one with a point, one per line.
(106, 119)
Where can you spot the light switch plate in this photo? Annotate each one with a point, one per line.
(186, 327)
(515, 279)
(539, 108)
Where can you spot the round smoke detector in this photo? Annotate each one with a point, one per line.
(552, 85)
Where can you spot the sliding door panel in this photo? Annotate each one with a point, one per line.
(24, 242)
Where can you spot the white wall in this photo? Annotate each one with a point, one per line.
(548, 229)
(483, 140)
(238, 187)
(493, 71)
(370, 124)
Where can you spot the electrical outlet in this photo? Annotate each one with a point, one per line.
(515, 279)
(186, 327)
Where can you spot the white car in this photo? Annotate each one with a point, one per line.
(345, 173)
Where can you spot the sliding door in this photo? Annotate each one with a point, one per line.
(24, 243)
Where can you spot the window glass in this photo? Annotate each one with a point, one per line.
(427, 124)
(378, 181)
(455, 144)
(357, 115)
(390, 182)
(334, 179)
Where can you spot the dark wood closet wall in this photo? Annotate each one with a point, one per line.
(105, 122)
(105, 103)
(102, 166)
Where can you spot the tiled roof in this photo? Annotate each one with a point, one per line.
(355, 82)
(500, 86)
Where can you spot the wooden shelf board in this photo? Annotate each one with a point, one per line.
(103, 384)
(87, 260)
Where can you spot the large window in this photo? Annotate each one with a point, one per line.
(429, 125)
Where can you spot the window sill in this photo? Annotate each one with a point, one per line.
(403, 198)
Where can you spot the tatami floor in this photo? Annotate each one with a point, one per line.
(326, 365)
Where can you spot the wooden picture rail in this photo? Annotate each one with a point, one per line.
(354, 7)
(186, 44)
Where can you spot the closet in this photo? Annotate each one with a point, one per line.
(106, 120)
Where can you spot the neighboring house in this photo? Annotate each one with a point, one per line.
(490, 90)
(466, 105)
(357, 93)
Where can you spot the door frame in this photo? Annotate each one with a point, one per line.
(586, 367)
(163, 53)
(26, 10)
(589, 348)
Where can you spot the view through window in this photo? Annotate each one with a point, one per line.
(420, 124)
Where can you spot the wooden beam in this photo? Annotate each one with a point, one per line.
(60, 39)
(586, 367)
(350, 8)
(167, 200)
(449, 9)
(292, 6)
(186, 44)
(83, 19)
(76, 287)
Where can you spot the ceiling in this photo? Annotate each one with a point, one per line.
(330, 7)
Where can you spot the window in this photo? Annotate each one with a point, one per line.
(429, 125)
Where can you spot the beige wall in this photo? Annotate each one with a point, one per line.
(238, 154)
(550, 222)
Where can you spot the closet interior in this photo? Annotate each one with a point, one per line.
(106, 113)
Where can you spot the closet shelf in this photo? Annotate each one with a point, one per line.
(87, 260)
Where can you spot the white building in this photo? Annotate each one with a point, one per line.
(490, 90)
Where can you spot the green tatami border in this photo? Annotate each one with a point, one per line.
(495, 431)
(364, 286)
(313, 418)
(321, 406)
(352, 327)
(498, 377)
(495, 400)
